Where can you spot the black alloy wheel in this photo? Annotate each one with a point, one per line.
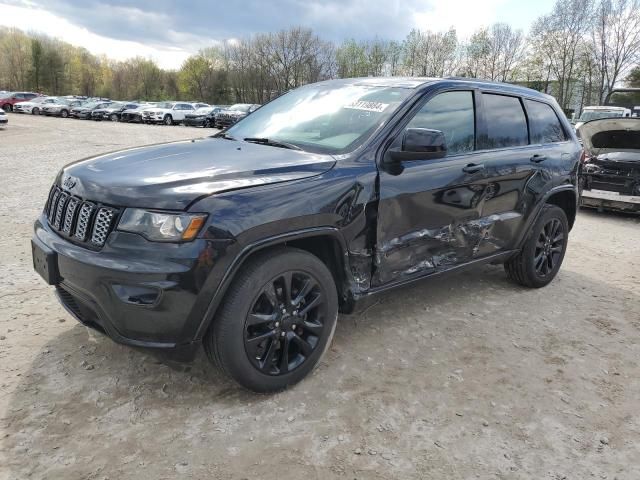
(286, 321)
(549, 247)
(541, 256)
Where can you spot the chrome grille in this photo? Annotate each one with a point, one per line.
(102, 226)
(83, 221)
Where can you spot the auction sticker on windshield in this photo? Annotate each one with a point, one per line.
(368, 106)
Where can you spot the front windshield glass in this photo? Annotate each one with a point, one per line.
(203, 110)
(325, 118)
(588, 115)
(167, 105)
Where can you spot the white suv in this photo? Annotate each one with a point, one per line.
(34, 106)
(168, 113)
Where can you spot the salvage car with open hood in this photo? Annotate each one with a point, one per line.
(610, 176)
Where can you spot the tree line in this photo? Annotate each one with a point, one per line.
(581, 48)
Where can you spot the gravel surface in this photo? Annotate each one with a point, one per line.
(464, 377)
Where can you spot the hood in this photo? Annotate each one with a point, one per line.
(173, 175)
(611, 135)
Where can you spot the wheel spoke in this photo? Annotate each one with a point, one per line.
(284, 355)
(287, 279)
(272, 298)
(313, 328)
(260, 318)
(304, 291)
(311, 305)
(254, 342)
(558, 238)
(267, 361)
(305, 348)
(538, 260)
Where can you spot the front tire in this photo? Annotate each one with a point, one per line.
(113, 117)
(543, 252)
(276, 321)
(64, 113)
(168, 120)
(7, 107)
(35, 111)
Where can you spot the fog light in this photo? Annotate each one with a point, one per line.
(136, 295)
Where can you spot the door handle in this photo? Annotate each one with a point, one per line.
(538, 158)
(473, 167)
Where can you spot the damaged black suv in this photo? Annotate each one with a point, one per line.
(251, 241)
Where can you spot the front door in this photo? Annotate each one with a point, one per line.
(428, 209)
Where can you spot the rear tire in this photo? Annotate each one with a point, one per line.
(538, 262)
(276, 321)
(7, 107)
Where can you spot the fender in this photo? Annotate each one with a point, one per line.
(533, 218)
(252, 248)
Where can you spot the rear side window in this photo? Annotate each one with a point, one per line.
(452, 113)
(505, 120)
(544, 123)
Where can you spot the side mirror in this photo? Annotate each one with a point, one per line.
(419, 144)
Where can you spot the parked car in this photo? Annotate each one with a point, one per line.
(252, 240)
(203, 117)
(234, 113)
(611, 172)
(3, 118)
(9, 100)
(134, 115)
(168, 113)
(112, 112)
(34, 106)
(61, 108)
(84, 110)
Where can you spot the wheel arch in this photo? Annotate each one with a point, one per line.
(567, 200)
(326, 243)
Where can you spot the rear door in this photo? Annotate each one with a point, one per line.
(510, 163)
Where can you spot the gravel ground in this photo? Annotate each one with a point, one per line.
(467, 377)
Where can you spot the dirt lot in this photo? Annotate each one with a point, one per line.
(468, 377)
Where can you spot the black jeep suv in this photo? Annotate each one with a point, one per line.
(252, 241)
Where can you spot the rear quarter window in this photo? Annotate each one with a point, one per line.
(506, 123)
(544, 123)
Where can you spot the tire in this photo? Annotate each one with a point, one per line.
(538, 262)
(113, 117)
(35, 111)
(7, 107)
(168, 120)
(64, 113)
(235, 332)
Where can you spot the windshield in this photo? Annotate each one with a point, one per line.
(90, 104)
(203, 110)
(597, 114)
(325, 118)
(166, 105)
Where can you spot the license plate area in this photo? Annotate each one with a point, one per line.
(45, 262)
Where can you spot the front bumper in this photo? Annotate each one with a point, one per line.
(194, 122)
(137, 292)
(603, 199)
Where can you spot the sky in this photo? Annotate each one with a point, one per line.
(168, 31)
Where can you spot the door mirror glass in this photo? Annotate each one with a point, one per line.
(424, 140)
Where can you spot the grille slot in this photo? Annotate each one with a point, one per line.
(83, 221)
(102, 226)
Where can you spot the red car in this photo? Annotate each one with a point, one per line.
(7, 102)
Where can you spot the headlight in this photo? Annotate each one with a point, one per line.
(162, 226)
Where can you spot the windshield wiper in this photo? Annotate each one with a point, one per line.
(224, 135)
(272, 143)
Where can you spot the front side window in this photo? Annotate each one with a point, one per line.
(544, 124)
(505, 120)
(453, 114)
(328, 118)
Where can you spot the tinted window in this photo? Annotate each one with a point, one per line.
(506, 122)
(452, 113)
(544, 123)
